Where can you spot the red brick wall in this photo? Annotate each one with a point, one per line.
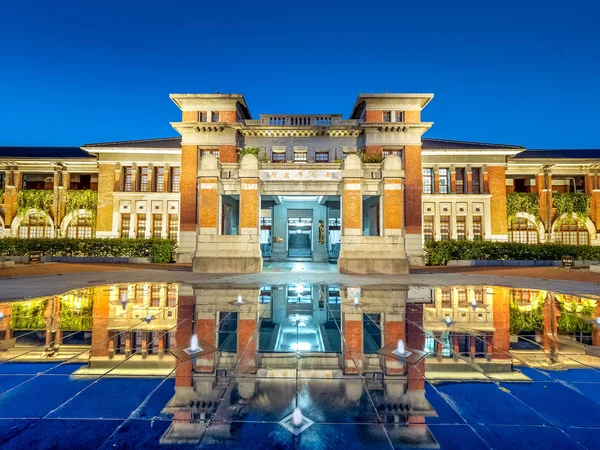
(393, 205)
(374, 150)
(187, 182)
(412, 116)
(228, 153)
(227, 116)
(374, 116)
(209, 204)
(413, 189)
(501, 309)
(183, 336)
(189, 116)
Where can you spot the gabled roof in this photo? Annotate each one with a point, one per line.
(26, 152)
(446, 144)
(167, 143)
(585, 153)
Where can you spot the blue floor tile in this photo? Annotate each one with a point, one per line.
(9, 428)
(502, 437)
(573, 375)
(109, 398)
(487, 403)
(142, 435)
(557, 403)
(57, 434)
(247, 435)
(590, 390)
(588, 437)
(455, 437)
(40, 395)
(26, 368)
(344, 436)
(10, 381)
(445, 412)
(157, 401)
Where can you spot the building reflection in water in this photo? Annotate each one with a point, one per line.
(315, 346)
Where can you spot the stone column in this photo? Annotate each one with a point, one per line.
(486, 180)
(11, 191)
(469, 180)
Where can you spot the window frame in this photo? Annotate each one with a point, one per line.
(430, 178)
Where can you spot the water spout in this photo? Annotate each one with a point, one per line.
(400, 348)
(194, 343)
(474, 304)
(239, 300)
(448, 321)
(356, 302)
(124, 300)
(148, 318)
(297, 417)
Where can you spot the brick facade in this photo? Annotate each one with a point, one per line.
(499, 224)
(227, 116)
(106, 187)
(413, 189)
(228, 154)
(188, 182)
(374, 116)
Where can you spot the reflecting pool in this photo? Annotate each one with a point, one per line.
(157, 365)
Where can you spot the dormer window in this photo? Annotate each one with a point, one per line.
(387, 116)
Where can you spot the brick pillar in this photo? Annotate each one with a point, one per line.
(595, 329)
(393, 206)
(543, 183)
(208, 197)
(249, 206)
(205, 329)
(497, 180)
(453, 180)
(247, 341)
(415, 338)
(188, 182)
(106, 187)
(436, 180)
(469, 180)
(10, 205)
(501, 310)
(412, 203)
(374, 116)
(183, 337)
(486, 181)
(100, 316)
(352, 208)
(228, 154)
(167, 177)
(352, 327)
(5, 331)
(393, 331)
(550, 324)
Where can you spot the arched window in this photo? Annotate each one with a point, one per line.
(80, 227)
(573, 232)
(35, 225)
(523, 231)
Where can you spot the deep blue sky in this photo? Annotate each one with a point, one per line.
(522, 72)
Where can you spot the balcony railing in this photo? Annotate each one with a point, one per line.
(306, 120)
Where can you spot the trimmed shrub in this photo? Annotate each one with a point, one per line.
(158, 250)
(438, 253)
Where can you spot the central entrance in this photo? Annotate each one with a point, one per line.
(300, 228)
(299, 235)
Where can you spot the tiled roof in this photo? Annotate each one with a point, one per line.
(585, 153)
(43, 152)
(171, 142)
(445, 144)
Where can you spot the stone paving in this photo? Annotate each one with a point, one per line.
(19, 287)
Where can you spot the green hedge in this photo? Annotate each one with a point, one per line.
(438, 253)
(158, 250)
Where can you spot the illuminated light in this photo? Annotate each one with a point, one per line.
(474, 304)
(297, 417)
(124, 300)
(300, 346)
(356, 302)
(239, 300)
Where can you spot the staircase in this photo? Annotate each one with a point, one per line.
(299, 247)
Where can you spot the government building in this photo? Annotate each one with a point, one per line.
(364, 192)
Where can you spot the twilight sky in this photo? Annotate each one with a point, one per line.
(518, 72)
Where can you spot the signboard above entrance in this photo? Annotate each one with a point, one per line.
(300, 175)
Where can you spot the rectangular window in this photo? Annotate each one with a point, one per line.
(387, 116)
(462, 297)
(215, 153)
(427, 181)
(428, 228)
(322, 157)
(159, 179)
(476, 183)
(175, 171)
(203, 116)
(157, 226)
(444, 228)
(125, 225)
(215, 116)
(127, 179)
(477, 228)
(444, 184)
(141, 226)
(461, 228)
(143, 179)
(445, 297)
(173, 226)
(300, 156)
(278, 157)
(399, 116)
(460, 181)
(387, 153)
(155, 297)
